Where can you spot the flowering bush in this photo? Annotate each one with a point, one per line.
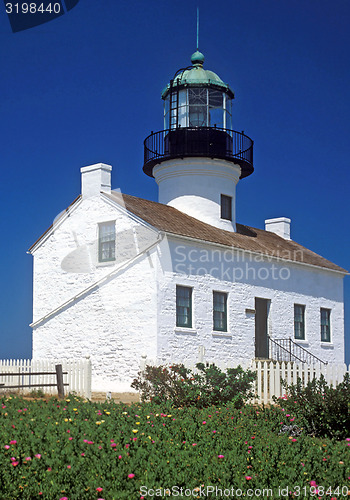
(79, 450)
(322, 410)
(202, 388)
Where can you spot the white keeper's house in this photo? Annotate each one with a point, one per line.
(119, 278)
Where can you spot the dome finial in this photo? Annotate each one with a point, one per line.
(197, 58)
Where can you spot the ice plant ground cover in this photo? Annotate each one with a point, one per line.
(75, 449)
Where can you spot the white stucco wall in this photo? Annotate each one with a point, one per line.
(194, 186)
(115, 322)
(244, 276)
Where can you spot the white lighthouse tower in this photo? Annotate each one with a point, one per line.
(198, 159)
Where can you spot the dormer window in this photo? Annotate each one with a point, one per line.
(226, 207)
(106, 241)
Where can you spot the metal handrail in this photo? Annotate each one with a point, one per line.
(212, 142)
(295, 350)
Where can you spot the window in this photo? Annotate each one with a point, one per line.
(226, 207)
(184, 306)
(106, 241)
(220, 311)
(299, 322)
(325, 325)
(198, 101)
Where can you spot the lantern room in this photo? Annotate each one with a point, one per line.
(198, 121)
(197, 98)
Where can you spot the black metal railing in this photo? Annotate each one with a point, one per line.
(288, 350)
(212, 142)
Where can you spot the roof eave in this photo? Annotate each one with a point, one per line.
(46, 234)
(341, 271)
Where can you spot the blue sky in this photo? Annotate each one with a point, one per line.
(85, 88)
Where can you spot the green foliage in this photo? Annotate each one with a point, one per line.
(322, 410)
(205, 387)
(37, 393)
(74, 448)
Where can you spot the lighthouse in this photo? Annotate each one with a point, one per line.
(198, 159)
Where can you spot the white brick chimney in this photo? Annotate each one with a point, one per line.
(280, 226)
(95, 178)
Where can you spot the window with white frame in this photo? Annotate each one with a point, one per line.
(325, 325)
(226, 207)
(184, 306)
(106, 241)
(220, 311)
(299, 322)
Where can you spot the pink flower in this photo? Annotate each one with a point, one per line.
(313, 483)
(204, 422)
(37, 455)
(69, 466)
(113, 445)
(130, 476)
(99, 489)
(6, 446)
(49, 469)
(120, 457)
(194, 444)
(15, 463)
(347, 439)
(64, 498)
(293, 439)
(27, 458)
(82, 454)
(214, 432)
(221, 456)
(13, 442)
(70, 439)
(248, 478)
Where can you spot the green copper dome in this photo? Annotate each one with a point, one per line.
(198, 76)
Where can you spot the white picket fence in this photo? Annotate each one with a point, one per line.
(269, 375)
(78, 377)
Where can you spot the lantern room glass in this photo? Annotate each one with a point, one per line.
(197, 107)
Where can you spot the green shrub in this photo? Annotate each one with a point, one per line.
(37, 393)
(322, 410)
(205, 387)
